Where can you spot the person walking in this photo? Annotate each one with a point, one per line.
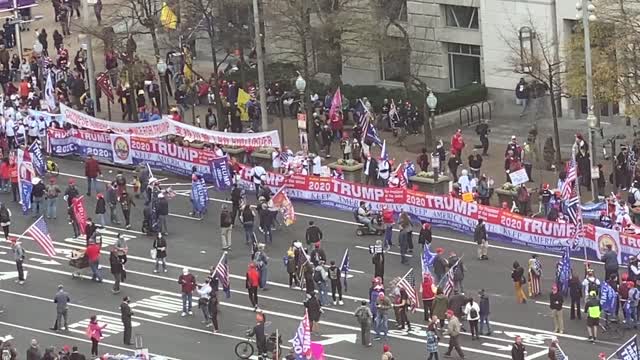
(101, 208)
(335, 275)
(162, 211)
(458, 271)
(126, 203)
(427, 295)
(313, 235)
(592, 309)
(575, 293)
(93, 257)
(518, 351)
(320, 277)
(261, 260)
(213, 310)
(440, 306)
(160, 245)
(485, 311)
(403, 238)
(364, 317)
(5, 220)
(18, 255)
(401, 305)
(94, 331)
(204, 293)
(517, 275)
(252, 281)
(432, 342)
(236, 202)
(472, 311)
(117, 268)
(91, 171)
(480, 237)
(556, 300)
(383, 305)
(112, 201)
(187, 284)
(52, 191)
(125, 315)
(226, 225)
(453, 330)
(62, 300)
(248, 217)
(314, 310)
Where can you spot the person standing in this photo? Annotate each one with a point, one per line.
(535, 273)
(117, 268)
(314, 310)
(522, 95)
(5, 220)
(213, 311)
(518, 351)
(485, 311)
(91, 171)
(261, 260)
(364, 316)
(313, 234)
(94, 330)
(204, 293)
(403, 238)
(76, 355)
(575, 293)
(51, 195)
(18, 255)
(440, 306)
(226, 225)
(440, 265)
(472, 311)
(160, 245)
(320, 278)
(93, 257)
(610, 260)
(592, 309)
(162, 211)
(517, 275)
(187, 284)
(247, 217)
(252, 280)
(101, 208)
(482, 129)
(480, 237)
(236, 202)
(33, 352)
(401, 305)
(432, 341)
(335, 275)
(378, 262)
(556, 300)
(383, 304)
(126, 203)
(458, 271)
(112, 201)
(453, 330)
(61, 299)
(427, 295)
(125, 315)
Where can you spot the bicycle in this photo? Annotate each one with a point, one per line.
(245, 348)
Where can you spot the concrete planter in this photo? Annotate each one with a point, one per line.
(431, 186)
(262, 159)
(351, 172)
(237, 153)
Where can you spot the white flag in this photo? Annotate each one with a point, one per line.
(49, 93)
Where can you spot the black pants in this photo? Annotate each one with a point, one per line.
(253, 295)
(14, 191)
(214, 320)
(5, 229)
(575, 308)
(235, 210)
(426, 305)
(116, 282)
(473, 324)
(293, 279)
(433, 356)
(336, 285)
(127, 332)
(94, 347)
(485, 145)
(20, 270)
(127, 216)
(454, 344)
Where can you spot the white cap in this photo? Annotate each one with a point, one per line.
(185, 271)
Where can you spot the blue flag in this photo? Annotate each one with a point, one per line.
(221, 173)
(628, 350)
(608, 298)
(565, 270)
(37, 158)
(199, 195)
(25, 195)
(344, 267)
(371, 133)
(428, 258)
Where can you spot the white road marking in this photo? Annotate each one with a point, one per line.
(8, 275)
(80, 339)
(539, 354)
(185, 217)
(336, 338)
(498, 347)
(386, 252)
(45, 262)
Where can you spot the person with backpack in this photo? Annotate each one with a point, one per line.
(320, 277)
(590, 283)
(630, 308)
(458, 271)
(472, 311)
(335, 275)
(364, 316)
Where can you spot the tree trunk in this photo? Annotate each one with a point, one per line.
(554, 116)
(216, 92)
(156, 46)
(311, 136)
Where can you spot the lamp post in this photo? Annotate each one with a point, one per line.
(262, 85)
(586, 12)
(161, 66)
(432, 102)
(301, 86)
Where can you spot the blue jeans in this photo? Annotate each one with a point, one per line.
(263, 276)
(51, 208)
(248, 232)
(388, 234)
(268, 239)
(101, 219)
(36, 204)
(186, 302)
(484, 319)
(631, 317)
(163, 261)
(91, 182)
(367, 222)
(381, 325)
(97, 276)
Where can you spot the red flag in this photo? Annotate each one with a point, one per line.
(103, 81)
(335, 114)
(79, 213)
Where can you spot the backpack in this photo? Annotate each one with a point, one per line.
(473, 313)
(592, 286)
(317, 276)
(631, 198)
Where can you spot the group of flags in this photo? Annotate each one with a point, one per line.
(571, 196)
(365, 123)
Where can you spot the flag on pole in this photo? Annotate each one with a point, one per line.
(408, 283)
(301, 341)
(608, 298)
(565, 270)
(428, 258)
(449, 284)
(344, 267)
(282, 202)
(401, 175)
(49, 93)
(168, 18)
(572, 176)
(40, 233)
(628, 350)
(362, 112)
(335, 113)
(384, 155)
(222, 273)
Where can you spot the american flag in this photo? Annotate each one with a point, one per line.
(344, 267)
(448, 280)
(564, 272)
(369, 131)
(573, 209)
(222, 273)
(408, 283)
(572, 176)
(284, 156)
(40, 233)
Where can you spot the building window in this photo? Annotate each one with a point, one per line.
(464, 65)
(462, 16)
(394, 61)
(395, 9)
(327, 58)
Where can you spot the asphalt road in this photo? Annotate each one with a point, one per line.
(155, 298)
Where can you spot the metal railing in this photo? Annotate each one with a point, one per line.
(488, 106)
(463, 109)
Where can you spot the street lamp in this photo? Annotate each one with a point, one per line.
(301, 86)
(161, 66)
(586, 11)
(432, 102)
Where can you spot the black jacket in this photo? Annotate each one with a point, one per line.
(125, 312)
(236, 196)
(38, 190)
(225, 219)
(160, 243)
(555, 301)
(480, 234)
(77, 356)
(517, 352)
(163, 207)
(313, 308)
(101, 206)
(313, 235)
(115, 263)
(425, 235)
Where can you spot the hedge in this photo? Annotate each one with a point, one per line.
(285, 74)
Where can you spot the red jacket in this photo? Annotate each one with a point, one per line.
(427, 290)
(91, 168)
(253, 278)
(387, 216)
(457, 143)
(13, 173)
(4, 171)
(93, 252)
(188, 283)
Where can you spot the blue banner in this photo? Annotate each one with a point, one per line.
(592, 210)
(37, 159)
(220, 173)
(628, 350)
(199, 195)
(25, 195)
(608, 298)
